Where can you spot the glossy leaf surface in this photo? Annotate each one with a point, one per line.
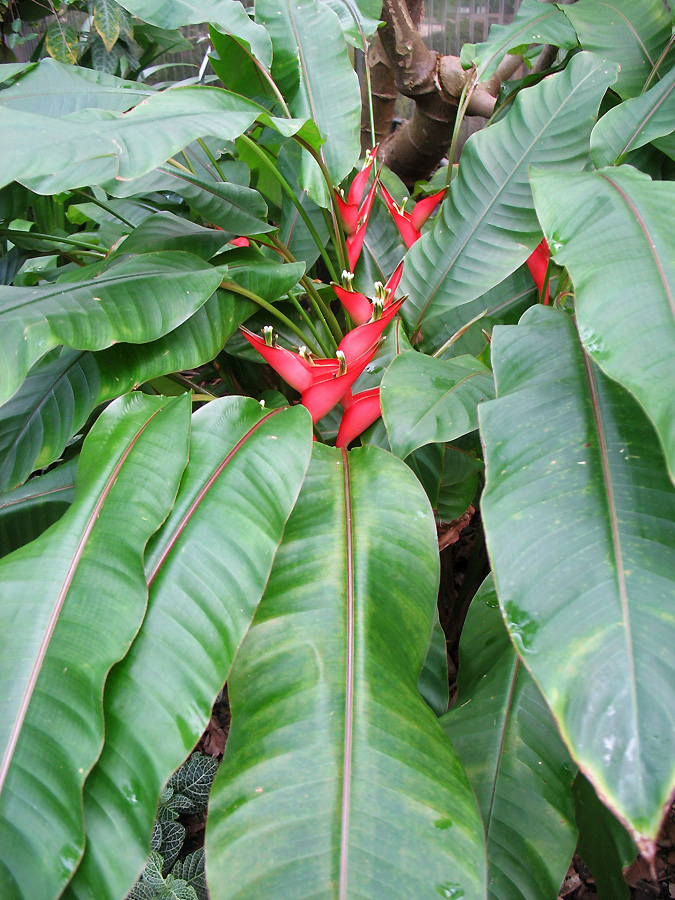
(586, 580)
(488, 226)
(29, 510)
(625, 288)
(72, 602)
(336, 772)
(427, 400)
(517, 763)
(137, 300)
(632, 34)
(312, 68)
(207, 568)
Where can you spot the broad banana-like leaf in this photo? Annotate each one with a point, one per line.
(312, 69)
(632, 34)
(207, 569)
(338, 781)
(433, 679)
(488, 225)
(634, 123)
(604, 844)
(611, 230)
(11, 70)
(54, 155)
(359, 19)
(29, 510)
(227, 15)
(55, 89)
(293, 231)
(579, 517)
(167, 231)
(71, 604)
(534, 23)
(428, 401)
(516, 761)
(139, 299)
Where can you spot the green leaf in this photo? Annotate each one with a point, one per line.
(191, 870)
(433, 679)
(359, 19)
(533, 23)
(579, 517)
(459, 483)
(11, 70)
(519, 768)
(103, 60)
(61, 42)
(428, 401)
(57, 397)
(107, 21)
(313, 71)
(139, 299)
(238, 68)
(488, 225)
(54, 89)
(604, 844)
(292, 230)
(58, 154)
(634, 123)
(228, 15)
(611, 230)
(72, 601)
(29, 510)
(166, 231)
(334, 763)
(632, 34)
(207, 568)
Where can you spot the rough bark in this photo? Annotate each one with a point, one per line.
(404, 64)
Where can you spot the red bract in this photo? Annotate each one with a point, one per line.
(362, 411)
(358, 306)
(321, 382)
(410, 224)
(349, 209)
(356, 341)
(240, 242)
(355, 240)
(537, 263)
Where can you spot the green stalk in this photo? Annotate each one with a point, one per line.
(464, 98)
(262, 156)
(212, 158)
(321, 308)
(337, 224)
(306, 319)
(89, 248)
(236, 289)
(187, 162)
(657, 64)
(106, 207)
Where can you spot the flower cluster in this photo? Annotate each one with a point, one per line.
(323, 383)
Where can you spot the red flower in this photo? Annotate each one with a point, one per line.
(321, 382)
(358, 306)
(537, 263)
(349, 209)
(410, 224)
(240, 242)
(364, 408)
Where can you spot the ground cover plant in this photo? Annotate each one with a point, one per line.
(249, 375)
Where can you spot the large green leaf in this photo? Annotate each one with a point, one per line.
(488, 226)
(359, 19)
(139, 299)
(515, 759)
(427, 401)
(94, 146)
(632, 34)
(312, 68)
(228, 15)
(293, 231)
(634, 123)
(611, 229)
(29, 510)
(54, 89)
(534, 22)
(580, 524)
(61, 42)
(167, 231)
(207, 568)
(433, 679)
(57, 397)
(71, 603)
(337, 779)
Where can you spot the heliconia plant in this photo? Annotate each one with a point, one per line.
(249, 389)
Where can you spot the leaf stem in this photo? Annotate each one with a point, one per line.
(262, 156)
(104, 206)
(236, 289)
(212, 158)
(306, 319)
